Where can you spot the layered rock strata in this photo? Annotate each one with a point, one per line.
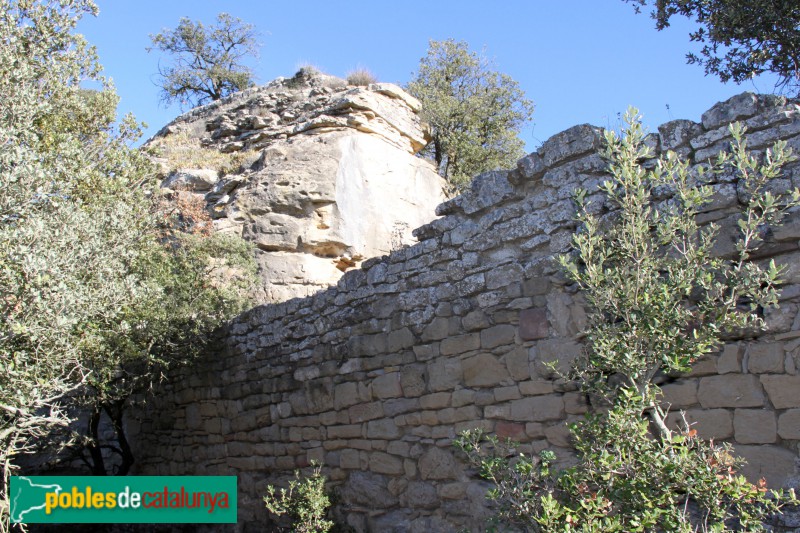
(318, 174)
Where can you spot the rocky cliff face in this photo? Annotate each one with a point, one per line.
(318, 174)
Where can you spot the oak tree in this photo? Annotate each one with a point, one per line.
(475, 112)
(207, 62)
(740, 38)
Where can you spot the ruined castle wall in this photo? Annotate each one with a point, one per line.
(376, 376)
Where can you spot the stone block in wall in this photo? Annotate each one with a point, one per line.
(518, 364)
(345, 395)
(444, 374)
(705, 366)
(556, 350)
(420, 495)
(536, 388)
(765, 357)
(680, 394)
(533, 324)
(438, 463)
(782, 390)
(383, 429)
(412, 380)
(575, 141)
(531, 166)
(484, 370)
(366, 489)
(537, 408)
(365, 411)
(559, 435)
(486, 190)
(730, 360)
(738, 107)
(771, 462)
(677, 133)
(789, 424)
(504, 394)
(387, 386)
(730, 390)
(709, 423)
(383, 463)
(460, 344)
(754, 426)
(499, 335)
(510, 430)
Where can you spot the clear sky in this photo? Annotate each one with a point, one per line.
(580, 61)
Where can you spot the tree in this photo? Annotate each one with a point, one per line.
(741, 38)
(208, 62)
(98, 295)
(658, 299)
(475, 112)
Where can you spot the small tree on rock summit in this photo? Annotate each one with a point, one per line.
(208, 62)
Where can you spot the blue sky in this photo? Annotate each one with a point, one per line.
(578, 60)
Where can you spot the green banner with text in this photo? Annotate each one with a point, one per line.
(123, 499)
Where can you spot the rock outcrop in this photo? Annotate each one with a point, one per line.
(318, 174)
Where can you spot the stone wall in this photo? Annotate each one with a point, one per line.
(376, 376)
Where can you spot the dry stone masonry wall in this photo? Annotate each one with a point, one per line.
(375, 377)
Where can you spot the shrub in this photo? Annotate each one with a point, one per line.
(361, 77)
(305, 502)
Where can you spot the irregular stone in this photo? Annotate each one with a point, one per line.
(537, 408)
(789, 424)
(533, 324)
(365, 411)
(738, 107)
(444, 374)
(422, 495)
(681, 394)
(384, 429)
(782, 390)
(412, 381)
(569, 143)
(368, 490)
(483, 370)
(765, 358)
(730, 360)
(754, 426)
(709, 423)
(460, 344)
(383, 463)
(437, 463)
(559, 351)
(559, 435)
(773, 463)
(517, 364)
(677, 133)
(192, 179)
(497, 336)
(510, 430)
(387, 386)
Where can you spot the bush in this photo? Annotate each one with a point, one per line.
(305, 502)
(361, 77)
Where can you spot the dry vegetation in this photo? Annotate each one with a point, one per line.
(180, 150)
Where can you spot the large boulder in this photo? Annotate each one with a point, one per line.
(318, 174)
